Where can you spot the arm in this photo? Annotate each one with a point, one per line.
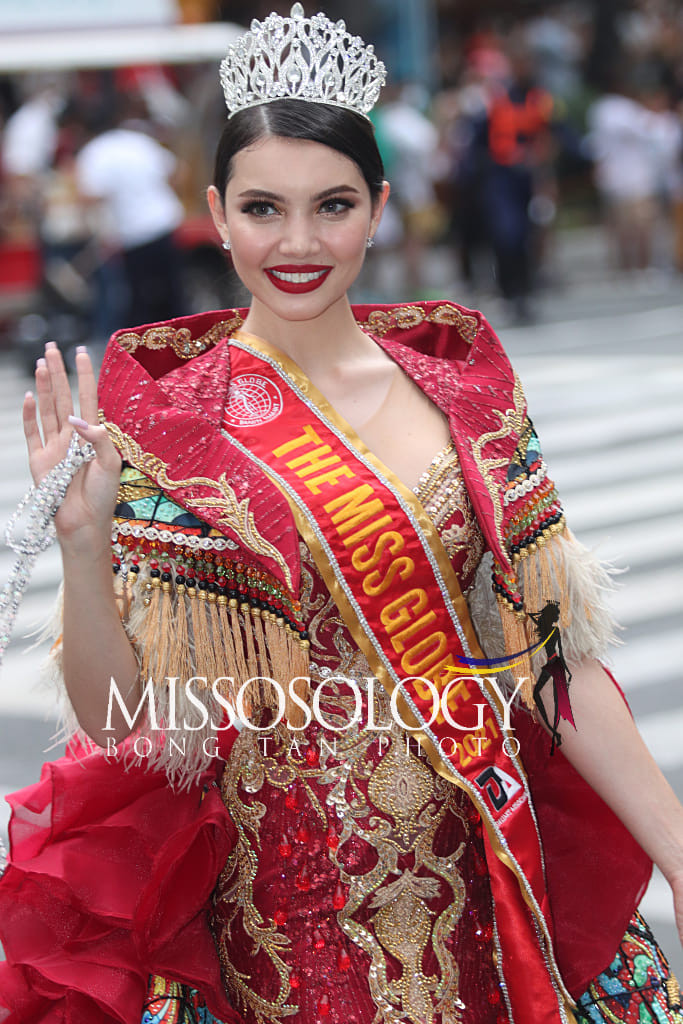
(95, 644)
(610, 754)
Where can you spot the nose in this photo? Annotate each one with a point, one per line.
(299, 236)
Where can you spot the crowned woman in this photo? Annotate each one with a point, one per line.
(286, 797)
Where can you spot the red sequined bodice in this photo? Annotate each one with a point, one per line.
(358, 889)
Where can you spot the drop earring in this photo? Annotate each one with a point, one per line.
(370, 242)
(226, 245)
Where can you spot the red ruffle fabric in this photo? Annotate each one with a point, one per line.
(109, 880)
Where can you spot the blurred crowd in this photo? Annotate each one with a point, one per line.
(543, 123)
(552, 121)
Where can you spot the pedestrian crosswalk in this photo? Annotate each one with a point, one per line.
(605, 396)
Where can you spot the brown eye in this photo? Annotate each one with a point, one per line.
(336, 206)
(259, 208)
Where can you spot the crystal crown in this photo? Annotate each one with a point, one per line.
(300, 58)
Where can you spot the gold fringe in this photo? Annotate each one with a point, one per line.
(166, 645)
(561, 580)
(298, 660)
(223, 633)
(515, 637)
(183, 663)
(276, 639)
(265, 666)
(532, 597)
(203, 646)
(149, 639)
(242, 673)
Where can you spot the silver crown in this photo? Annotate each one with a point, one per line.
(301, 58)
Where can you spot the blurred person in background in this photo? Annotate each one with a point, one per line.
(517, 166)
(409, 144)
(636, 144)
(127, 174)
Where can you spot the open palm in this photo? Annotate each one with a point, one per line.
(84, 517)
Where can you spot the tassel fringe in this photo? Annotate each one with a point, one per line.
(180, 633)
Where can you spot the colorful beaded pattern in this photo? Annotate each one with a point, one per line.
(181, 550)
(168, 1002)
(534, 511)
(637, 987)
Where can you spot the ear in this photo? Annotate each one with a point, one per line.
(378, 208)
(217, 209)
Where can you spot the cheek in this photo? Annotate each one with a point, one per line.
(349, 243)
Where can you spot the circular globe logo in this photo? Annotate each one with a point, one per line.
(252, 400)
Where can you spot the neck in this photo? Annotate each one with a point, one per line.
(318, 346)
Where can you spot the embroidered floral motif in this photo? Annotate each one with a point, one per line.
(179, 338)
(381, 321)
(380, 898)
(235, 514)
(346, 897)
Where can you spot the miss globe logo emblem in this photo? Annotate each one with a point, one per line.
(252, 400)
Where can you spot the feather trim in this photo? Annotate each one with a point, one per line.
(562, 570)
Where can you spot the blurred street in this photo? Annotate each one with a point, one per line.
(603, 371)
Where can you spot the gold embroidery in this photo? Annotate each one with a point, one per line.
(235, 514)
(179, 338)
(442, 492)
(511, 421)
(381, 321)
(396, 806)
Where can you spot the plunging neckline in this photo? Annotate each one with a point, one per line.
(351, 434)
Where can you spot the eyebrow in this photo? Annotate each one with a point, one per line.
(264, 194)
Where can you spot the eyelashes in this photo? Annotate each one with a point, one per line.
(262, 208)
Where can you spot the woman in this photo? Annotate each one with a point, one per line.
(318, 509)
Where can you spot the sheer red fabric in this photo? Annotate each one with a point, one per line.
(110, 880)
(596, 871)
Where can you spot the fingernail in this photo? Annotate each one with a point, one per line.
(78, 422)
(81, 348)
(29, 394)
(50, 344)
(40, 363)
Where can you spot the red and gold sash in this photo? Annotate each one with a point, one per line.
(385, 566)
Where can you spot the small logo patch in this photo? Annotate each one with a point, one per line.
(252, 400)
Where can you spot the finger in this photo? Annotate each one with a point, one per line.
(59, 382)
(34, 441)
(46, 403)
(106, 453)
(87, 385)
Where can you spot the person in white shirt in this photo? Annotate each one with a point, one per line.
(128, 172)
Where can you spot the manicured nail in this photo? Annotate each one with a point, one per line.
(29, 394)
(40, 364)
(81, 348)
(78, 422)
(50, 344)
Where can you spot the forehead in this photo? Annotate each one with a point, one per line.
(296, 166)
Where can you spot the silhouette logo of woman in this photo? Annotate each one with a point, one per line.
(555, 668)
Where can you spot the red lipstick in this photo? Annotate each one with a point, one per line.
(297, 278)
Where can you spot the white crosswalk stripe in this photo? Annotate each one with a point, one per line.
(605, 396)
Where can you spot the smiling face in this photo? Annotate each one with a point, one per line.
(298, 215)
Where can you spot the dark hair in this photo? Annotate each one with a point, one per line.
(349, 133)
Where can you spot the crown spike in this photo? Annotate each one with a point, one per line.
(301, 58)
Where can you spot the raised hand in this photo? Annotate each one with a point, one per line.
(83, 521)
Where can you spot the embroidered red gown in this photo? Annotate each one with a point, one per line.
(343, 880)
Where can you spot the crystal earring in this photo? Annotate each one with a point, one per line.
(370, 242)
(226, 244)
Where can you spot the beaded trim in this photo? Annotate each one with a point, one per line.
(185, 569)
(154, 533)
